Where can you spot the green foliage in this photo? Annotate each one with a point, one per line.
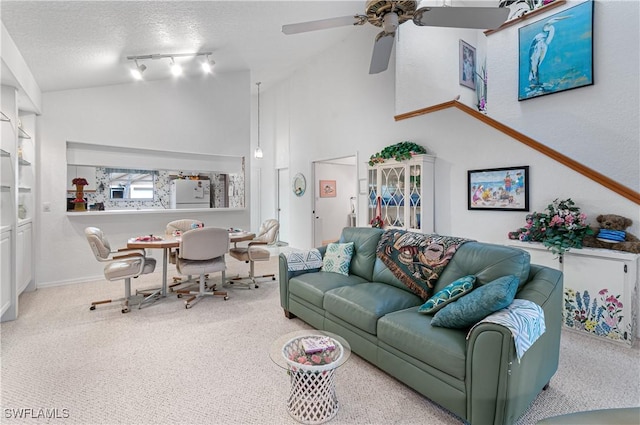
(400, 152)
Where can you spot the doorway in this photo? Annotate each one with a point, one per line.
(335, 191)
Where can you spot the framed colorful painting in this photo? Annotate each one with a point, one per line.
(327, 188)
(556, 53)
(504, 189)
(467, 61)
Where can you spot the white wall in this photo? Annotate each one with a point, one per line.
(209, 116)
(333, 106)
(596, 125)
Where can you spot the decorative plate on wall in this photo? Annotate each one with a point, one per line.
(299, 184)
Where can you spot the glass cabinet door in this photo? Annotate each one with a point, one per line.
(406, 192)
(393, 196)
(415, 196)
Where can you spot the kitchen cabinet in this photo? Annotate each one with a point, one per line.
(6, 270)
(24, 252)
(89, 173)
(600, 289)
(407, 192)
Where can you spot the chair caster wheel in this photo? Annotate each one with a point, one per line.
(93, 307)
(187, 306)
(125, 310)
(179, 295)
(256, 286)
(273, 278)
(226, 298)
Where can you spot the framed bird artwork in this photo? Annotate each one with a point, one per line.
(556, 53)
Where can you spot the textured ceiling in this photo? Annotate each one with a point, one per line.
(74, 44)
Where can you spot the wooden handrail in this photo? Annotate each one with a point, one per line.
(605, 181)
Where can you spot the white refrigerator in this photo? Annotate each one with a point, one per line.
(190, 194)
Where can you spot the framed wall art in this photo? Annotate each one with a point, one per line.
(467, 65)
(327, 188)
(499, 189)
(556, 53)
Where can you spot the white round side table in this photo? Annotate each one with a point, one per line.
(312, 396)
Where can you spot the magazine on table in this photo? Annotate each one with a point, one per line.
(318, 344)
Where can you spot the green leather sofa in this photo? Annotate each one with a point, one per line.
(477, 376)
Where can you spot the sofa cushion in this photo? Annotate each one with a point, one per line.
(448, 294)
(337, 258)
(410, 333)
(362, 305)
(311, 287)
(487, 262)
(365, 241)
(478, 304)
(382, 273)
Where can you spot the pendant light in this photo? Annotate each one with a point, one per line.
(258, 152)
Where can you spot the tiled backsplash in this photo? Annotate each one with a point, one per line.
(162, 194)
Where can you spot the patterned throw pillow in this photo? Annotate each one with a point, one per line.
(478, 304)
(337, 258)
(448, 294)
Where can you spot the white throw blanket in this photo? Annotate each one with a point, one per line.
(299, 259)
(525, 320)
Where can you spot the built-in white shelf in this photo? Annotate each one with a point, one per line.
(3, 117)
(24, 189)
(23, 162)
(5, 187)
(23, 134)
(4, 153)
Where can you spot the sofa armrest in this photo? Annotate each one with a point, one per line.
(499, 388)
(284, 275)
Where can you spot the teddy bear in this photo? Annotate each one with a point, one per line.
(612, 235)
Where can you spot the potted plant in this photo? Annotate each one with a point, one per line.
(400, 152)
(561, 227)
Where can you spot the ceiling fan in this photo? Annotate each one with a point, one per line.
(390, 14)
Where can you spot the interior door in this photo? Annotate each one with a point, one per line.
(335, 189)
(284, 190)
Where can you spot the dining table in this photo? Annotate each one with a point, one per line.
(167, 242)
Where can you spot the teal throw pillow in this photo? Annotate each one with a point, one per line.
(478, 304)
(337, 258)
(448, 294)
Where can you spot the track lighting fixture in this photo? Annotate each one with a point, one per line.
(138, 70)
(258, 152)
(176, 68)
(207, 65)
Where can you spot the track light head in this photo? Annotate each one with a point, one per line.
(207, 65)
(138, 70)
(176, 69)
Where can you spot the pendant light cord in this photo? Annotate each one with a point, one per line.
(258, 84)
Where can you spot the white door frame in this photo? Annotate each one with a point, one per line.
(314, 194)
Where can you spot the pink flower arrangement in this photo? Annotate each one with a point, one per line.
(80, 181)
(311, 359)
(561, 227)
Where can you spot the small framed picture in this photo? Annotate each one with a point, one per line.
(327, 188)
(467, 65)
(505, 189)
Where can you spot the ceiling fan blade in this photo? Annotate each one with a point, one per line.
(461, 17)
(321, 24)
(381, 52)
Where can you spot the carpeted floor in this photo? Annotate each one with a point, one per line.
(164, 364)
